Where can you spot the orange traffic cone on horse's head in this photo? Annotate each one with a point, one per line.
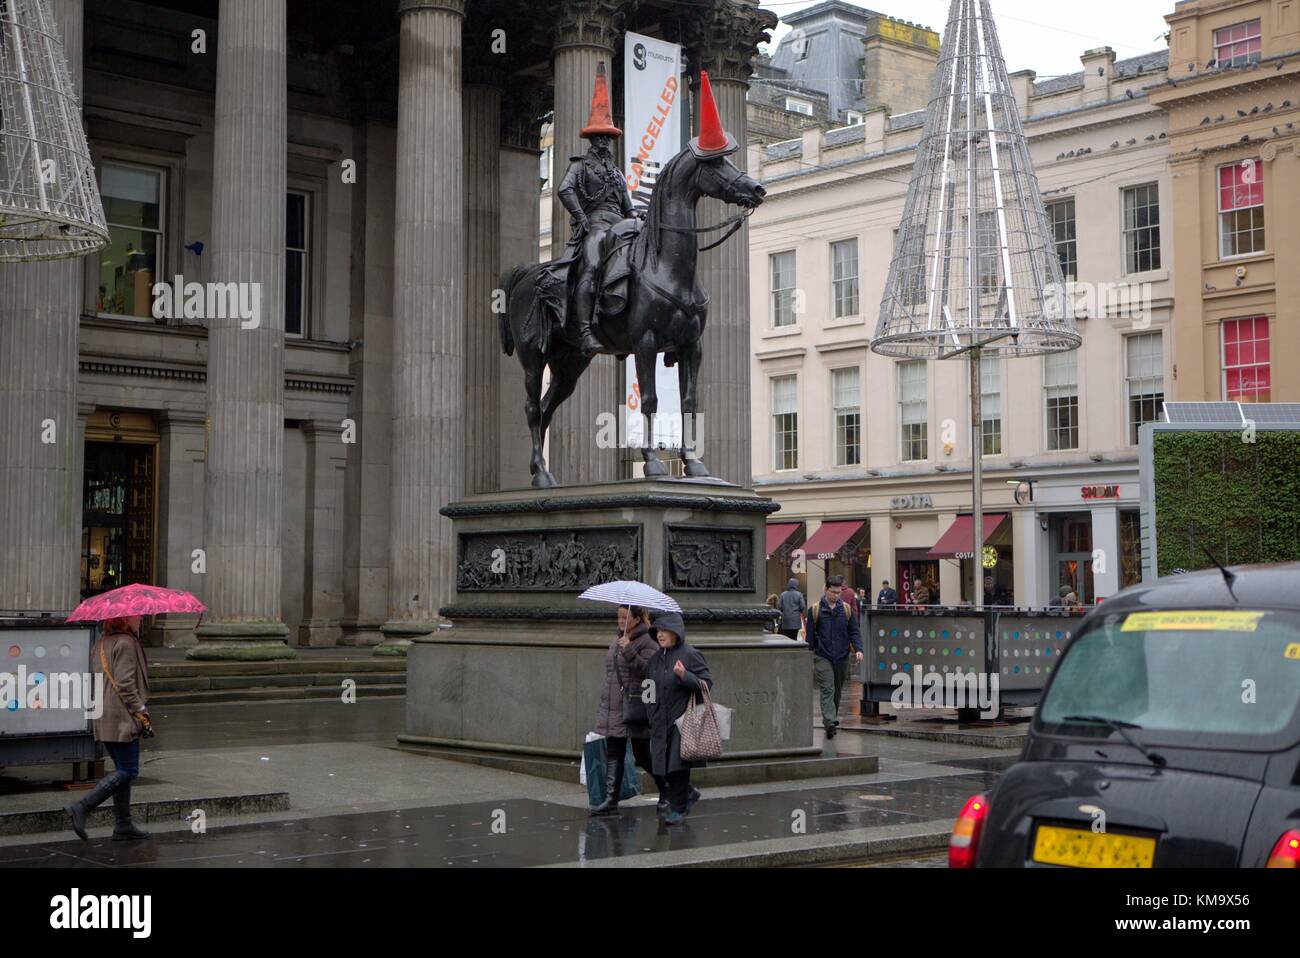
(713, 139)
(601, 120)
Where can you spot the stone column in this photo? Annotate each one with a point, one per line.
(180, 516)
(40, 471)
(523, 108)
(482, 125)
(370, 405)
(585, 33)
(722, 38)
(428, 319)
(243, 494)
(323, 575)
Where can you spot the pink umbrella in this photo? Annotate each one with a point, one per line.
(135, 599)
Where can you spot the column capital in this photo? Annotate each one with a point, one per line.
(588, 23)
(722, 36)
(454, 7)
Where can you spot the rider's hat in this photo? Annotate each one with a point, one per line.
(713, 139)
(601, 122)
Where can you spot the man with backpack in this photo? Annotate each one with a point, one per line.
(832, 632)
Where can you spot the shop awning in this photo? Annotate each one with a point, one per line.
(957, 540)
(778, 533)
(827, 540)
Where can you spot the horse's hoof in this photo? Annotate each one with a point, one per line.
(655, 469)
(544, 480)
(694, 469)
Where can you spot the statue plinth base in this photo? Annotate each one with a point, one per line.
(521, 668)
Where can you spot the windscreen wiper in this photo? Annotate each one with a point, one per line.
(1122, 728)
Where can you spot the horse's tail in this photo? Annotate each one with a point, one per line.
(509, 279)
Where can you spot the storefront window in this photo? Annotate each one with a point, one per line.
(1072, 556)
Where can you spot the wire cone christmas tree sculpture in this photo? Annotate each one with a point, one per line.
(975, 265)
(49, 201)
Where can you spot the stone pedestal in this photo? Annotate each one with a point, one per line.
(520, 670)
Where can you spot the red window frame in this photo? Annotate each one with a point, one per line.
(1247, 372)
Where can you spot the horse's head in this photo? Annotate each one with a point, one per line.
(721, 179)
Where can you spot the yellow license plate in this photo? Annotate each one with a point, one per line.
(1079, 848)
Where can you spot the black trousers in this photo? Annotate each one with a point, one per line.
(678, 788)
(617, 751)
(790, 633)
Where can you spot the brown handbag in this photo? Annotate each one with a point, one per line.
(700, 738)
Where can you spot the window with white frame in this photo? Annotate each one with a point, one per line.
(1144, 365)
(991, 405)
(795, 105)
(988, 252)
(1142, 228)
(801, 47)
(297, 265)
(1061, 387)
(913, 411)
(1060, 218)
(853, 117)
(844, 277)
(1241, 209)
(783, 289)
(848, 416)
(785, 422)
(133, 259)
(1239, 44)
(1247, 372)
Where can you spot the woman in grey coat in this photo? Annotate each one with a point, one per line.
(677, 671)
(625, 664)
(793, 606)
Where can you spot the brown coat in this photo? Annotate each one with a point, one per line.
(125, 657)
(624, 668)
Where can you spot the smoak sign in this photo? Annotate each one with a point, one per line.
(1100, 492)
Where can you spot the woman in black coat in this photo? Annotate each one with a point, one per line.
(677, 671)
(625, 664)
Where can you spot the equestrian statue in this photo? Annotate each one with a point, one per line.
(626, 284)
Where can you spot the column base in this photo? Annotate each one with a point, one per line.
(321, 634)
(242, 641)
(400, 636)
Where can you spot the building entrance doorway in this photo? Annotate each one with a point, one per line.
(119, 502)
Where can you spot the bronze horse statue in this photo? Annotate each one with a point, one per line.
(665, 308)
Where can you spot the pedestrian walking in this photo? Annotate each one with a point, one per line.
(677, 671)
(887, 595)
(119, 658)
(832, 634)
(792, 605)
(622, 716)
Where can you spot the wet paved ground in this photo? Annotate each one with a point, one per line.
(529, 832)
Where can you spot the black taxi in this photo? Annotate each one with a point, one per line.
(1169, 736)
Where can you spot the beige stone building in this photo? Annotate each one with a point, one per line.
(870, 457)
(1234, 135)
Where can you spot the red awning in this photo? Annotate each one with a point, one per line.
(957, 541)
(826, 541)
(778, 533)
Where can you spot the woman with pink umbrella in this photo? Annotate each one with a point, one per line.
(119, 657)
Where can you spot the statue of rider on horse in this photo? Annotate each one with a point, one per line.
(625, 286)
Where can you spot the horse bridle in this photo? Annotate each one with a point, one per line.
(731, 223)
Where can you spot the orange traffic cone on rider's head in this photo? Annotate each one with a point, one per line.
(713, 139)
(601, 120)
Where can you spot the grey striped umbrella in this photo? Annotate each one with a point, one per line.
(625, 592)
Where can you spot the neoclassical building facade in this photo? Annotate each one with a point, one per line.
(368, 169)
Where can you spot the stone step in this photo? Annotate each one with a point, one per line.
(306, 666)
(204, 683)
(54, 819)
(715, 775)
(216, 696)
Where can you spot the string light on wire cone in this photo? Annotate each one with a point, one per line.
(975, 265)
(49, 201)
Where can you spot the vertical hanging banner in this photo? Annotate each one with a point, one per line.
(652, 135)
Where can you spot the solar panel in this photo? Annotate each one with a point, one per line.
(1273, 413)
(1204, 413)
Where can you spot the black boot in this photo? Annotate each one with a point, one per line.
(613, 782)
(108, 785)
(125, 829)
